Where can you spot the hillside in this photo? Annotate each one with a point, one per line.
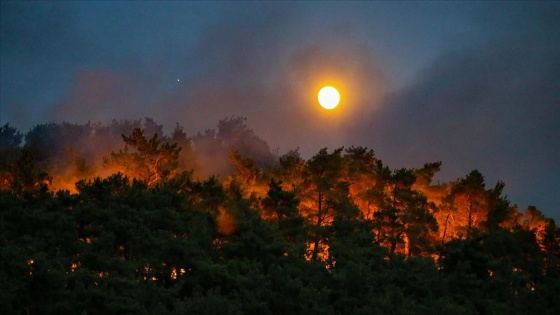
(123, 219)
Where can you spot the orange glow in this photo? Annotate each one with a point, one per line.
(323, 251)
(454, 213)
(74, 266)
(30, 263)
(226, 223)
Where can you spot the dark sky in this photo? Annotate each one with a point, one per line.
(474, 84)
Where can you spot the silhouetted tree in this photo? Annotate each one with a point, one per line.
(468, 201)
(324, 177)
(406, 217)
(281, 207)
(150, 160)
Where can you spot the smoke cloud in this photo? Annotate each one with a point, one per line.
(493, 107)
(475, 85)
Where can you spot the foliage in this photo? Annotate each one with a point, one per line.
(150, 160)
(339, 233)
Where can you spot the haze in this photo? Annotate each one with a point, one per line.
(476, 85)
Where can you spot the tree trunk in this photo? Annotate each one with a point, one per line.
(318, 225)
(445, 229)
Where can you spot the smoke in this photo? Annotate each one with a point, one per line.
(487, 98)
(265, 62)
(262, 66)
(494, 106)
(97, 95)
(34, 57)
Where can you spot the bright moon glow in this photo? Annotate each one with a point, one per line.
(328, 97)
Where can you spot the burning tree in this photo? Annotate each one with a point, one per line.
(406, 216)
(151, 160)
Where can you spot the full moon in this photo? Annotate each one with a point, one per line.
(328, 97)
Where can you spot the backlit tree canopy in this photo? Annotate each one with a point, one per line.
(147, 228)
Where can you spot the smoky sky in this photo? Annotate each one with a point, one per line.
(476, 85)
(494, 106)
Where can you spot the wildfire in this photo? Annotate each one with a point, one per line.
(353, 176)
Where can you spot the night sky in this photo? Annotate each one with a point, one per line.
(476, 85)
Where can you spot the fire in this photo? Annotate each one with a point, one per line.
(175, 274)
(74, 266)
(30, 263)
(366, 184)
(226, 222)
(323, 251)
